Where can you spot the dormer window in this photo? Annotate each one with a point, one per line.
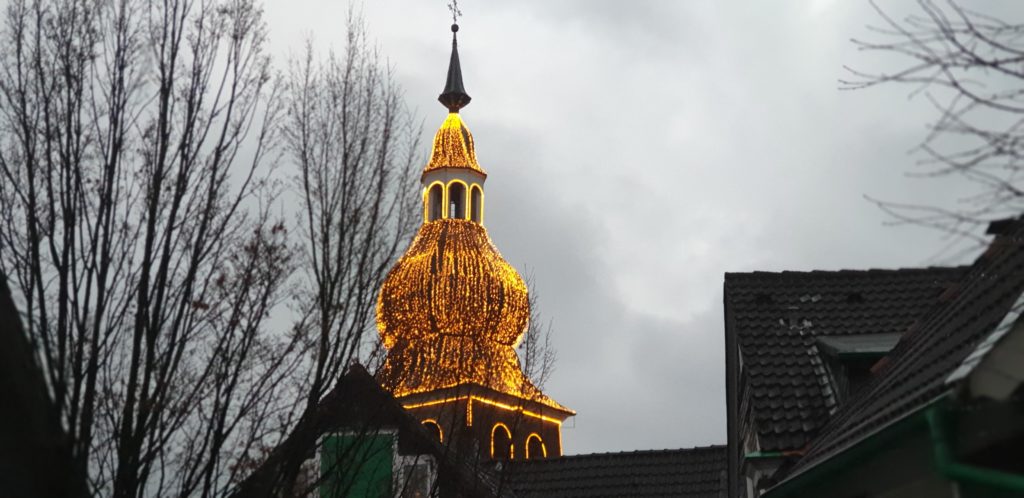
(849, 358)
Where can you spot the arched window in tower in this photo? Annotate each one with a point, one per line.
(535, 447)
(435, 201)
(434, 429)
(476, 204)
(457, 200)
(501, 442)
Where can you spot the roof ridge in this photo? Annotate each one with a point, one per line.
(635, 452)
(848, 271)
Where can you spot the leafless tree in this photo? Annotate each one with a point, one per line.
(970, 66)
(355, 147)
(538, 357)
(138, 151)
(537, 354)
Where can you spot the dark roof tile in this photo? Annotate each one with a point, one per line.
(915, 371)
(688, 473)
(777, 318)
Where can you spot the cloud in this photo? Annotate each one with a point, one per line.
(637, 153)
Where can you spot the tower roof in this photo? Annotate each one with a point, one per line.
(451, 312)
(453, 147)
(453, 143)
(454, 96)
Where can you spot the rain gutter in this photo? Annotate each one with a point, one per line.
(947, 465)
(851, 456)
(932, 417)
(764, 454)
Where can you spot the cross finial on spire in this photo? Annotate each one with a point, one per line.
(454, 96)
(453, 6)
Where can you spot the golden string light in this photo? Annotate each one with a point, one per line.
(452, 281)
(453, 147)
(497, 404)
(543, 447)
(451, 312)
(440, 433)
(508, 434)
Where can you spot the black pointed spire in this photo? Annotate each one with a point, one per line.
(454, 96)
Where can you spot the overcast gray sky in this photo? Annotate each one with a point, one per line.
(636, 151)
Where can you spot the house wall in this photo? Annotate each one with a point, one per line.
(753, 471)
(736, 484)
(903, 470)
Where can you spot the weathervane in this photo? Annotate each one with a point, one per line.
(453, 6)
(454, 96)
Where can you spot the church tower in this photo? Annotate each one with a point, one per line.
(452, 311)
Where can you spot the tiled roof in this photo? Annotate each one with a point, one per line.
(914, 373)
(688, 473)
(776, 318)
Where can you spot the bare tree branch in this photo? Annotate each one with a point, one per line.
(971, 67)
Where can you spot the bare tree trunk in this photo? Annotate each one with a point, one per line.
(355, 146)
(138, 148)
(134, 218)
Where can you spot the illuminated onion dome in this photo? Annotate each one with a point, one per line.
(451, 311)
(452, 281)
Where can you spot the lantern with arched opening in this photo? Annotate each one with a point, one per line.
(476, 203)
(457, 200)
(434, 202)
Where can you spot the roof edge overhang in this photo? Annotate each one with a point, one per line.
(856, 451)
(472, 389)
(474, 171)
(928, 420)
